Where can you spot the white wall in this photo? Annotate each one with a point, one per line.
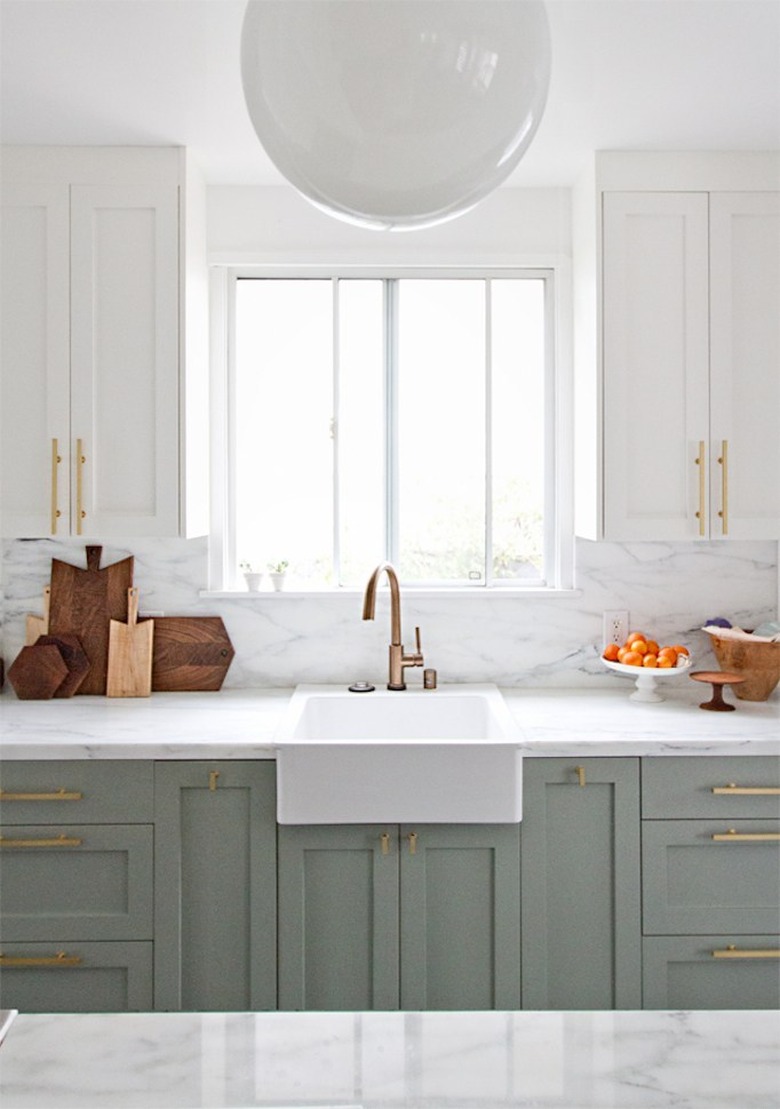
(278, 225)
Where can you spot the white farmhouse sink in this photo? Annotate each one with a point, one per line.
(449, 755)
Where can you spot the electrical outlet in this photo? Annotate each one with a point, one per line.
(615, 627)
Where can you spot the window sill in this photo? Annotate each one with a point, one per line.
(425, 592)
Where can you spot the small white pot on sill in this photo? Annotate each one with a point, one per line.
(253, 580)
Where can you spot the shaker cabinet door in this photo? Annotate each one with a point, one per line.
(581, 925)
(338, 917)
(215, 885)
(745, 364)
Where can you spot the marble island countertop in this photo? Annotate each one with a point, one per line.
(386, 1060)
(241, 724)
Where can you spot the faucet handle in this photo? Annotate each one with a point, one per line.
(418, 644)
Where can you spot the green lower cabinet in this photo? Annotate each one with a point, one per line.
(704, 876)
(215, 886)
(78, 977)
(375, 917)
(711, 972)
(581, 924)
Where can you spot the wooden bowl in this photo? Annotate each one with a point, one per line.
(758, 663)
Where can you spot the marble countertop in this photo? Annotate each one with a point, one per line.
(241, 724)
(627, 1060)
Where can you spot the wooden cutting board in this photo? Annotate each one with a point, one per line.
(38, 625)
(190, 653)
(130, 653)
(82, 603)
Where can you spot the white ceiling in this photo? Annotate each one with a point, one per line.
(627, 74)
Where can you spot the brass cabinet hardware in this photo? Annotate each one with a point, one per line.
(58, 841)
(58, 960)
(213, 775)
(580, 775)
(733, 836)
(412, 837)
(384, 839)
(80, 460)
(56, 458)
(724, 486)
(700, 515)
(55, 795)
(733, 790)
(733, 952)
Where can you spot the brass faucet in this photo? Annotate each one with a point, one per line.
(398, 659)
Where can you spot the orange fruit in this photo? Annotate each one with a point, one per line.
(632, 658)
(652, 647)
(664, 662)
(622, 652)
(635, 635)
(650, 660)
(638, 645)
(611, 652)
(681, 650)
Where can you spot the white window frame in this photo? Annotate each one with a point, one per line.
(559, 537)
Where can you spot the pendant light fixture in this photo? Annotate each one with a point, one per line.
(395, 114)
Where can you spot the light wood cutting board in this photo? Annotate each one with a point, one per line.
(130, 653)
(38, 625)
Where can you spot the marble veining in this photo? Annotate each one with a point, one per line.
(502, 1060)
(511, 639)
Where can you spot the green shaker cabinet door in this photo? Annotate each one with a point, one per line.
(580, 890)
(78, 977)
(460, 916)
(338, 917)
(215, 885)
(712, 972)
(703, 876)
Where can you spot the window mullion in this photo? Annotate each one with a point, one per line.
(334, 430)
(391, 421)
(488, 434)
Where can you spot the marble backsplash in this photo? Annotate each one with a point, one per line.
(510, 639)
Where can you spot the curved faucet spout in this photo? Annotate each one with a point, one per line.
(369, 600)
(398, 660)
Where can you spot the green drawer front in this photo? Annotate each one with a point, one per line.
(683, 787)
(694, 884)
(76, 882)
(77, 978)
(76, 791)
(684, 973)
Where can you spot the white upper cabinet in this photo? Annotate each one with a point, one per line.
(678, 383)
(96, 366)
(745, 365)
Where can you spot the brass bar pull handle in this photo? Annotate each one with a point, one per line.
(80, 460)
(733, 790)
(732, 952)
(733, 836)
(56, 795)
(58, 841)
(213, 775)
(384, 839)
(724, 486)
(580, 775)
(56, 458)
(58, 960)
(700, 515)
(412, 837)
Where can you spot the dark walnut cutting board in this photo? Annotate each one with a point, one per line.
(190, 653)
(83, 602)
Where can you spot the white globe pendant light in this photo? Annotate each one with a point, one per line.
(395, 113)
